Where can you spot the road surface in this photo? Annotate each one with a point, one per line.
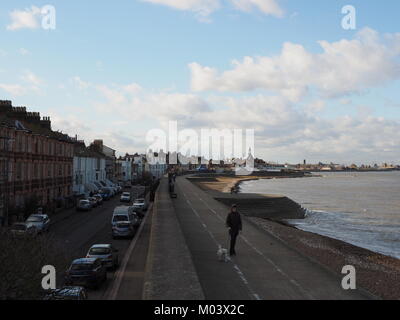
(78, 231)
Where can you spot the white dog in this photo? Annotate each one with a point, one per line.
(222, 254)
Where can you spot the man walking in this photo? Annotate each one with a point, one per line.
(234, 223)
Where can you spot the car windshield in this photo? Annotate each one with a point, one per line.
(35, 219)
(19, 227)
(120, 218)
(84, 202)
(99, 251)
(126, 194)
(81, 266)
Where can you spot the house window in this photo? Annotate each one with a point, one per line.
(19, 170)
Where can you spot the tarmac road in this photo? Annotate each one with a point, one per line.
(78, 231)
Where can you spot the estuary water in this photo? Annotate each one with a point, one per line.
(359, 208)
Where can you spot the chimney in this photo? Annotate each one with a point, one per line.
(18, 113)
(5, 106)
(98, 143)
(33, 117)
(45, 122)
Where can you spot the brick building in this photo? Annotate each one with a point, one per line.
(35, 161)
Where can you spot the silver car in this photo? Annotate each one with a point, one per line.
(106, 253)
(126, 197)
(123, 229)
(40, 222)
(84, 205)
(21, 229)
(140, 205)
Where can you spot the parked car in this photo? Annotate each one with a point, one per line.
(128, 185)
(99, 199)
(22, 229)
(84, 205)
(93, 202)
(126, 197)
(67, 293)
(140, 203)
(125, 214)
(39, 221)
(123, 229)
(106, 253)
(105, 194)
(88, 272)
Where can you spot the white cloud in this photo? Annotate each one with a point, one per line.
(133, 88)
(269, 7)
(344, 67)
(134, 102)
(284, 130)
(203, 8)
(122, 141)
(13, 89)
(25, 19)
(80, 83)
(30, 83)
(23, 51)
(32, 79)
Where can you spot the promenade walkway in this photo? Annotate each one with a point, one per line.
(265, 268)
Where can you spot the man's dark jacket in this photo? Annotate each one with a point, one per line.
(234, 221)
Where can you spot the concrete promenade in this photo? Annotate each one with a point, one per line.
(265, 267)
(170, 273)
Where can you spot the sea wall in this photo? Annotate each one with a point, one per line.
(170, 272)
(271, 207)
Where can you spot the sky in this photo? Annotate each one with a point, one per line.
(310, 88)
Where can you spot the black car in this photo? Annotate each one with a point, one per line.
(88, 272)
(67, 293)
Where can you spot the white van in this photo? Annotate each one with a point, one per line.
(125, 214)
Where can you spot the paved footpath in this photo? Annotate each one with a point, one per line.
(264, 269)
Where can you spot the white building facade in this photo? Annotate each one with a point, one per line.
(126, 166)
(88, 167)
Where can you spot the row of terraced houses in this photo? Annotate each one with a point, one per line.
(50, 169)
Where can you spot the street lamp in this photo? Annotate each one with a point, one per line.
(5, 193)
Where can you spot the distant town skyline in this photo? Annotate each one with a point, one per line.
(287, 69)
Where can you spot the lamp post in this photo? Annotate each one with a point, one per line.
(4, 176)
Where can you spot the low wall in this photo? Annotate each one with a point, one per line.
(170, 272)
(264, 206)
